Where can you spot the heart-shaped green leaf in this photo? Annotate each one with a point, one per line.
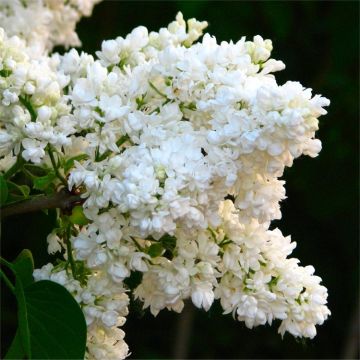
(56, 322)
(51, 322)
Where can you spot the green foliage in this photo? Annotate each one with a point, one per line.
(51, 325)
(5, 73)
(24, 267)
(155, 250)
(56, 322)
(82, 272)
(16, 350)
(3, 191)
(24, 330)
(17, 192)
(44, 182)
(164, 246)
(77, 216)
(35, 170)
(27, 103)
(168, 242)
(70, 162)
(273, 282)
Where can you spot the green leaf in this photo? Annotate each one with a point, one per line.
(273, 282)
(168, 242)
(43, 182)
(22, 317)
(24, 267)
(36, 170)
(16, 350)
(3, 191)
(23, 190)
(51, 324)
(56, 322)
(155, 250)
(70, 162)
(5, 73)
(77, 216)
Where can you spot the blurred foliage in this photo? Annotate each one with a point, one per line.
(319, 43)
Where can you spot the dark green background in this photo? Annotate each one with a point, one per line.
(318, 42)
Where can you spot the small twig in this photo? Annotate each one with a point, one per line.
(61, 200)
(57, 173)
(120, 142)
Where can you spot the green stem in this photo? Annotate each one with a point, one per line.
(225, 242)
(2, 274)
(138, 245)
(57, 173)
(29, 107)
(69, 251)
(7, 282)
(120, 142)
(157, 90)
(213, 233)
(97, 155)
(7, 264)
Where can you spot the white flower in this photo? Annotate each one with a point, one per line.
(54, 243)
(202, 295)
(84, 92)
(137, 262)
(118, 271)
(109, 318)
(112, 107)
(34, 150)
(44, 23)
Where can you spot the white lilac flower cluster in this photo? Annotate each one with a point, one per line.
(44, 23)
(167, 132)
(27, 84)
